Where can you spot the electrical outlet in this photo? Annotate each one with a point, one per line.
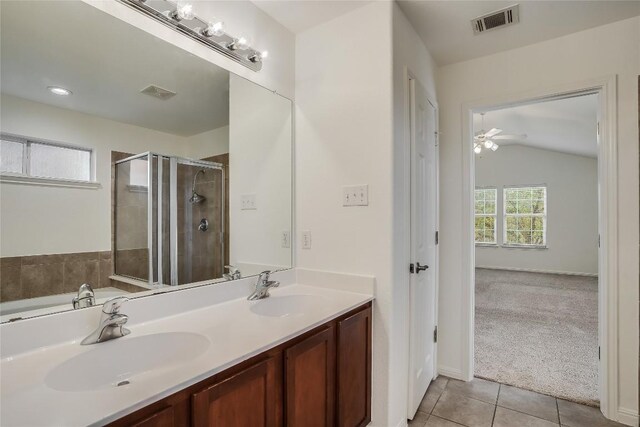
(248, 202)
(306, 239)
(286, 239)
(355, 195)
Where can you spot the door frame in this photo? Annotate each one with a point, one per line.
(606, 88)
(409, 96)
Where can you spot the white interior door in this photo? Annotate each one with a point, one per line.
(424, 211)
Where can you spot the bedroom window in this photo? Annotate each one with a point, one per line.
(485, 206)
(525, 216)
(28, 158)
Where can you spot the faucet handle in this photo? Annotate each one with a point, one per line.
(264, 276)
(232, 268)
(112, 305)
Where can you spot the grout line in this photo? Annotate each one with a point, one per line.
(495, 408)
(437, 400)
(558, 411)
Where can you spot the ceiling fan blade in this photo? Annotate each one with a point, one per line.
(515, 137)
(492, 132)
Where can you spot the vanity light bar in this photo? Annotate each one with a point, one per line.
(180, 17)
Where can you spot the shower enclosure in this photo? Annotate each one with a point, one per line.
(168, 219)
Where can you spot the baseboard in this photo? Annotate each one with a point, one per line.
(628, 417)
(454, 373)
(531, 270)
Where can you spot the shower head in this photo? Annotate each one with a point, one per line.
(195, 197)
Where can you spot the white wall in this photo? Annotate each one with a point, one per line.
(207, 144)
(260, 154)
(409, 55)
(572, 208)
(240, 18)
(72, 219)
(350, 130)
(601, 51)
(343, 137)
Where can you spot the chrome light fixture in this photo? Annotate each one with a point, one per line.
(180, 17)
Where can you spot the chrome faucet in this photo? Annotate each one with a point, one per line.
(262, 286)
(234, 273)
(85, 298)
(111, 322)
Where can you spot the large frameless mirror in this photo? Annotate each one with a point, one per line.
(128, 165)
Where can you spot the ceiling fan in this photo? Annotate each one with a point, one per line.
(486, 139)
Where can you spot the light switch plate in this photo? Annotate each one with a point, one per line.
(355, 195)
(286, 239)
(306, 239)
(248, 202)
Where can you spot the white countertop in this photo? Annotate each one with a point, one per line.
(235, 332)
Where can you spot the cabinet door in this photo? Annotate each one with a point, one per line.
(249, 398)
(310, 381)
(354, 370)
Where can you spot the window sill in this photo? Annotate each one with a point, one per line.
(487, 245)
(525, 247)
(48, 182)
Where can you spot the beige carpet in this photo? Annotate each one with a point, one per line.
(539, 332)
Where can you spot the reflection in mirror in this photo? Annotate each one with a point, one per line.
(130, 165)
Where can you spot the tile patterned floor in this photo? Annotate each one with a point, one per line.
(481, 403)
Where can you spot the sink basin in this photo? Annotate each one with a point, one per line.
(118, 362)
(286, 305)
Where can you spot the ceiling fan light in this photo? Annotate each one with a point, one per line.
(488, 144)
(494, 147)
(477, 149)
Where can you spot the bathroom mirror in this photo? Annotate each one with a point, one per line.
(129, 164)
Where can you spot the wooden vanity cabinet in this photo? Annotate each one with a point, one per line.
(310, 380)
(248, 398)
(321, 378)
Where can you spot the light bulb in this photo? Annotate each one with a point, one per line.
(240, 43)
(477, 149)
(264, 54)
(214, 29)
(494, 147)
(183, 11)
(488, 143)
(57, 90)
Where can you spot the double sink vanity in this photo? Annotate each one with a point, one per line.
(300, 356)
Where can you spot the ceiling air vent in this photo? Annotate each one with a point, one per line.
(497, 19)
(158, 92)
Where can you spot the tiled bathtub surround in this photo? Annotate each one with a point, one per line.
(42, 275)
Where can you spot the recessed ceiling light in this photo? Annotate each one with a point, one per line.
(56, 90)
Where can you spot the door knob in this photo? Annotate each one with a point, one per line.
(420, 268)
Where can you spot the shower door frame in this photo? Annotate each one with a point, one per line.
(173, 211)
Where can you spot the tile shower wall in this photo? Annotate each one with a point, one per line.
(42, 275)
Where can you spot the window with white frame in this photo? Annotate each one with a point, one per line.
(485, 208)
(39, 159)
(525, 216)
